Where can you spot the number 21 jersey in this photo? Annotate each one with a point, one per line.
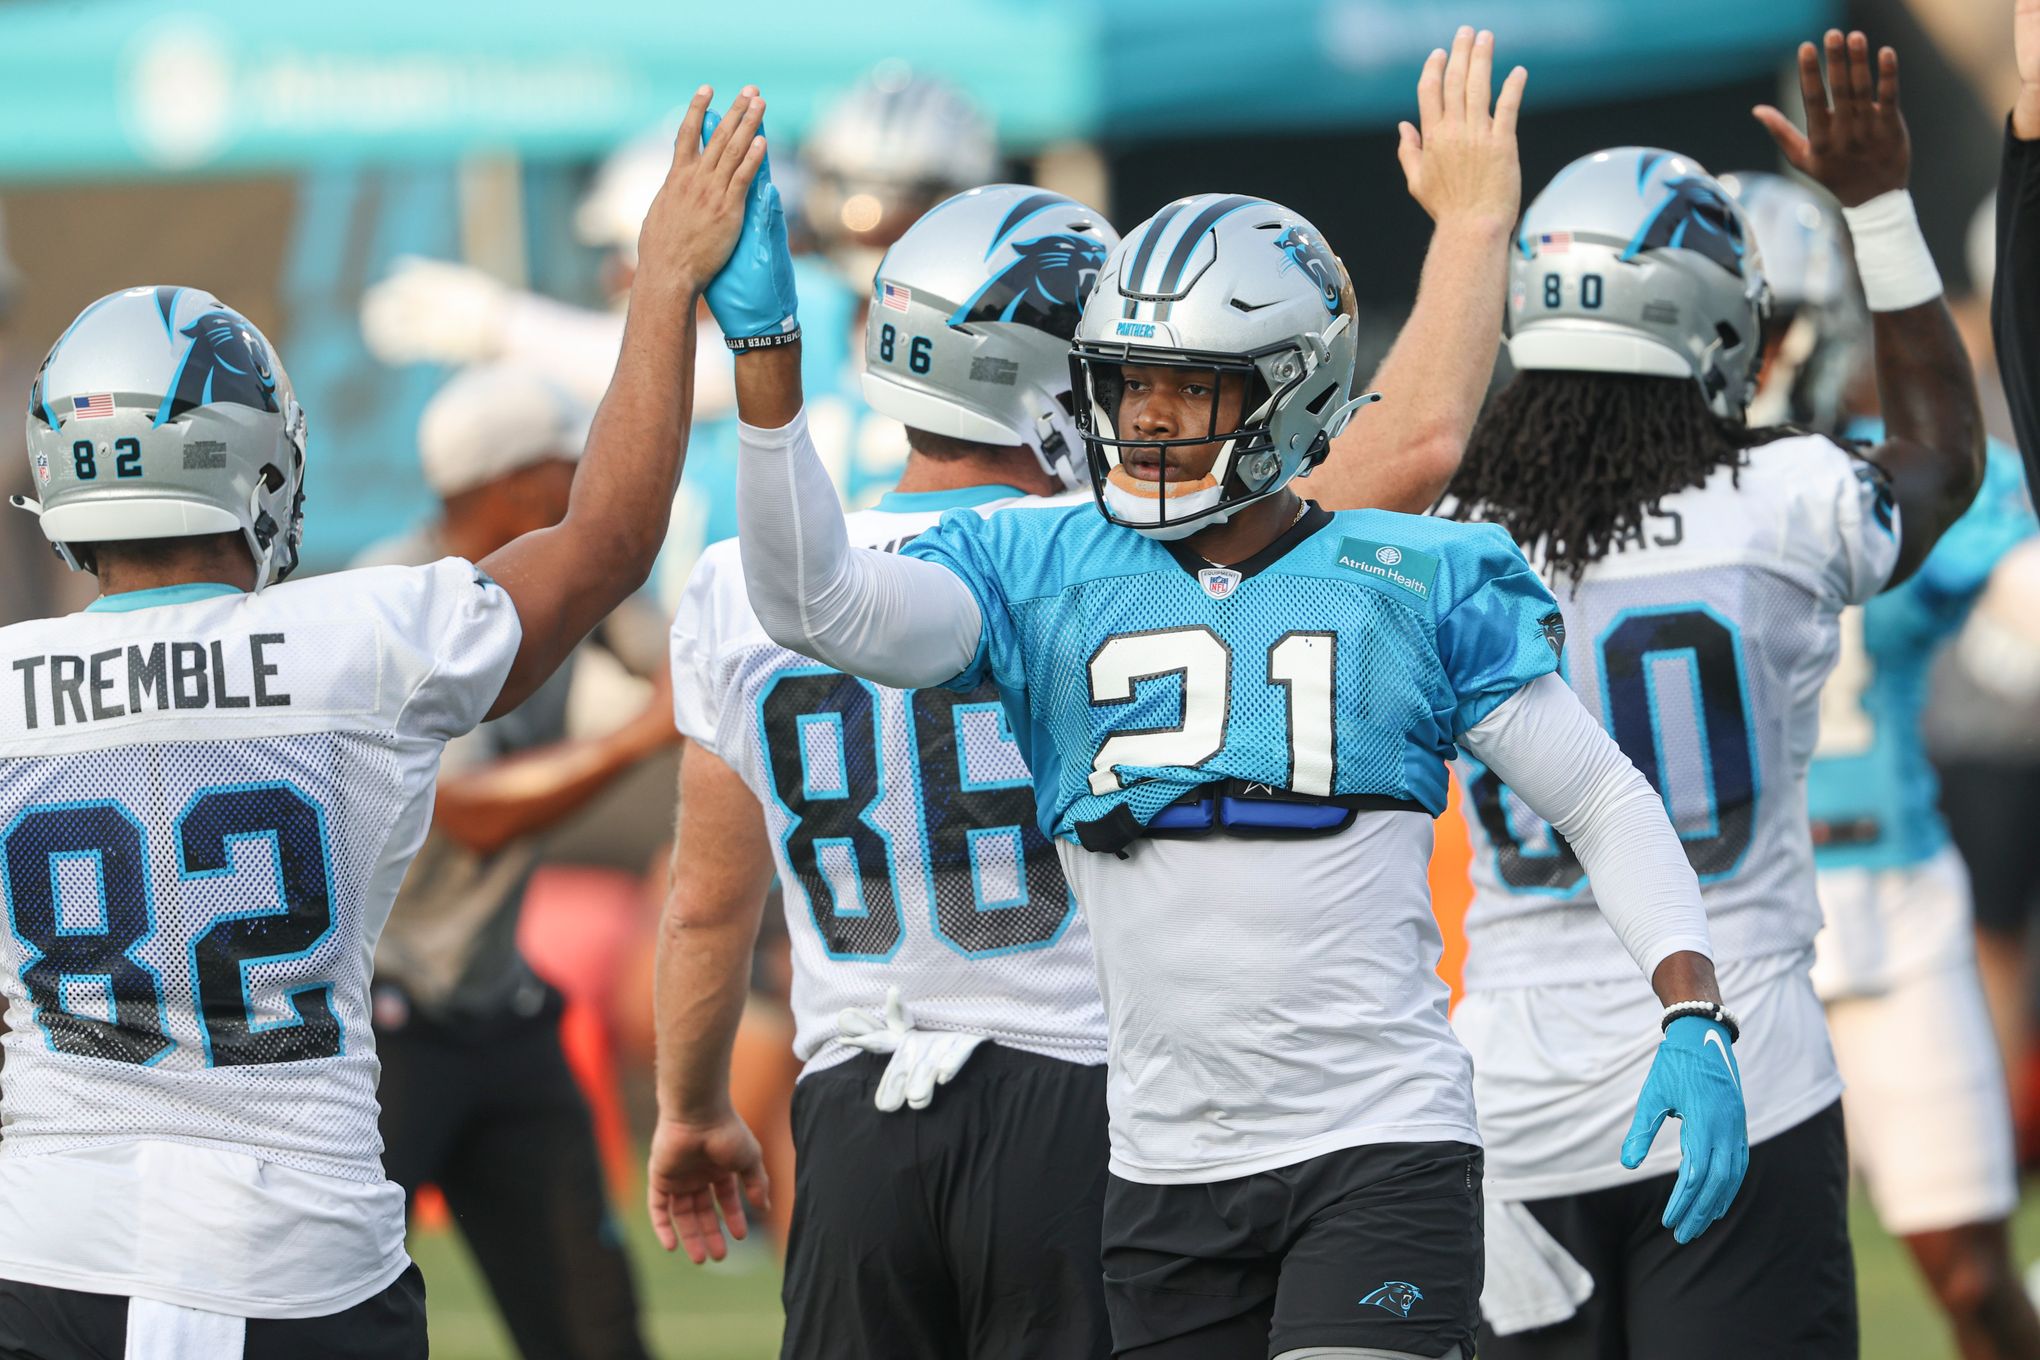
(207, 801)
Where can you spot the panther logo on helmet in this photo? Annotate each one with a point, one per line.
(1309, 254)
(227, 362)
(1045, 288)
(1695, 216)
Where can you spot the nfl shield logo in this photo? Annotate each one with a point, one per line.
(42, 468)
(1218, 582)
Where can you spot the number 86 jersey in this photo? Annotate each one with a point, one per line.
(902, 823)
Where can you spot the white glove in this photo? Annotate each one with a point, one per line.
(921, 1059)
(434, 312)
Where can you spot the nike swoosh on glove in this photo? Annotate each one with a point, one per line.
(1694, 1076)
(752, 298)
(921, 1059)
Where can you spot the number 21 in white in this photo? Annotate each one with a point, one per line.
(1303, 664)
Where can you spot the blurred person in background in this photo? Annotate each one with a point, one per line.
(877, 158)
(1703, 566)
(1929, 1127)
(477, 1095)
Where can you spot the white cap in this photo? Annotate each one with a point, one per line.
(492, 420)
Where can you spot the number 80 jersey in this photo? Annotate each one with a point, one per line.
(902, 823)
(1702, 643)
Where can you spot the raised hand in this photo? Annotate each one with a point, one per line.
(1460, 160)
(693, 223)
(694, 1169)
(1857, 148)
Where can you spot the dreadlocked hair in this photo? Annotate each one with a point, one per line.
(1572, 463)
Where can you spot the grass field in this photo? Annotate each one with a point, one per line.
(731, 1311)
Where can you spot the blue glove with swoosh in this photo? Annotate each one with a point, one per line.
(752, 298)
(1694, 1076)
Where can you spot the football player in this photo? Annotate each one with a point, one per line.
(952, 894)
(1237, 707)
(1895, 961)
(1702, 566)
(211, 783)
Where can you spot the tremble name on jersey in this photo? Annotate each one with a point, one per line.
(60, 689)
(207, 801)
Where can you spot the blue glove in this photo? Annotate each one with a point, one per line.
(1694, 1077)
(752, 298)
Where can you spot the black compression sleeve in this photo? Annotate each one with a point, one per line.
(2015, 298)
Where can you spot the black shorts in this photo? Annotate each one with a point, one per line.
(1774, 1278)
(1989, 808)
(41, 1323)
(490, 1112)
(965, 1231)
(1376, 1246)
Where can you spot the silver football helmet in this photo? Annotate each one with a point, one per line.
(1819, 320)
(1226, 283)
(972, 313)
(1635, 260)
(882, 155)
(164, 413)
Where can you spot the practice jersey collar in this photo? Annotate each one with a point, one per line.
(960, 498)
(1315, 517)
(155, 596)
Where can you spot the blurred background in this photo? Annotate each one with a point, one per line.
(394, 191)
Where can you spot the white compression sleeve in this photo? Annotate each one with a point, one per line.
(1545, 746)
(897, 620)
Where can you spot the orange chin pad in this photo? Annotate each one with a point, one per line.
(1133, 485)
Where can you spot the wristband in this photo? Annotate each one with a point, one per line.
(770, 341)
(1706, 1010)
(1892, 258)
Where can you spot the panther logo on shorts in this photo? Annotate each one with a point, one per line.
(1396, 1296)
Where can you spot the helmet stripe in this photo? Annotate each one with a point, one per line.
(166, 303)
(1130, 281)
(1186, 244)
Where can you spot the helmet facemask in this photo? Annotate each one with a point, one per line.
(1247, 466)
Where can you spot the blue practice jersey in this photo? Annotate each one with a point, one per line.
(1343, 660)
(1872, 792)
(864, 451)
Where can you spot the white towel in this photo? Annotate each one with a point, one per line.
(1532, 1281)
(167, 1331)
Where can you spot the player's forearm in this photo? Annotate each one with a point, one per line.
(1401, 453)
(1560, 762)
(892, 619)
(488, 808)
(623, 491)
(703, 977)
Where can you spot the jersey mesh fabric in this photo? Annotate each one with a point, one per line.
(1096, 634)
(1270, 1000)
(193, 893)
(1702, 647)
(1871, 768)
(901, 823)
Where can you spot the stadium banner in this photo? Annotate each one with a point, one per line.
(144, 87)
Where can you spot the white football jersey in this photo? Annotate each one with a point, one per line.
(1702, 645)
(902, 822)
(207, 802)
